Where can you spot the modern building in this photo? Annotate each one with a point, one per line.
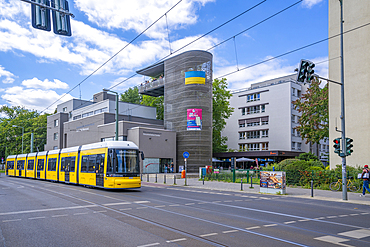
(79, 122)
(264, 120)
(185, 81)
(356, 78)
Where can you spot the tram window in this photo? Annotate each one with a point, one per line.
(123, 161)
(20, 165)
(63, 165)
(10, 164)
(52, 164)
(40, 164)
(30, 164)
(72, 164)
(91, 166)
(85, 160)
(100, 162)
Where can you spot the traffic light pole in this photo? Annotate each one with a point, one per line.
(49, 7)
(343, 122)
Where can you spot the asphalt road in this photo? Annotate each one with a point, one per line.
(41, 213)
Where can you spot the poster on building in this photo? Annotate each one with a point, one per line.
(195, 77)
(194, 119)
(272, 182)
(151, 165)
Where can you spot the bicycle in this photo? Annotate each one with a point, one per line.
(335, 186)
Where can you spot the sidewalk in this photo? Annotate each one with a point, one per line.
(192, 182)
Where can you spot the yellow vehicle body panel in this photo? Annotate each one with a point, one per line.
(30, 173)
(10, 171)
(20, 172)
(89, 178)
(72, 174)
(51, 174)
(40, 174)
(122, 182)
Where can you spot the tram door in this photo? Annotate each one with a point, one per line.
(67, 169)
(40, 167)
(99, 166)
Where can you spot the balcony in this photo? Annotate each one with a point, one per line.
(153, 87)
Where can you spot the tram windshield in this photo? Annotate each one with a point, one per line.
(123, 162)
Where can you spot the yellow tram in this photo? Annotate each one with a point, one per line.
(111, 165)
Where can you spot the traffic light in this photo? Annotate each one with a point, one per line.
(349, 145)
(310, 72)
(40, 16)
(302, 71)
(61, 22)
(336, 145)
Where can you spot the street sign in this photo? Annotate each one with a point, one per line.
(185, 155)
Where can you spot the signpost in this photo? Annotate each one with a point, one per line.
(186, 156)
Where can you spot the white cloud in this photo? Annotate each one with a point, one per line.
(36, 99)
(139, 14)
(310, 3)
(46, 84)
(8, 76)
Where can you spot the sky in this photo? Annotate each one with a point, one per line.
(37, 67)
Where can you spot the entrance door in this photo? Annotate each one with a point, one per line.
(99, 166)
(66, 170)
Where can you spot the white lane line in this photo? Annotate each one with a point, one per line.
(142, 202)
(36, 218)
(331, 217)
(270, 225)
(304, 220)
(230, 231)
(253, 227)
(333, 240)
(320, 218)
(228, 201)
(174, 205)
(365, 213)
(343, 215)
(209, 234)
(141, 207)
(146, 245)
(290, 222)
(80, 213)
(160, 206)
(117, 203)
(101, 211)
(49, 209)
(60, 215)
(354, 214)
(214, 202)
(176, 240)
(187, 204)
(122, 209)
(238, 200)
(11, 220)
(202, 202)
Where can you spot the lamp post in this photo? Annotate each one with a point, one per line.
(107, 90)
(22, 134)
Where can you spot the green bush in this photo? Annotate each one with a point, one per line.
(307, 157)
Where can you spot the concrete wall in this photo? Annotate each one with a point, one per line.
(51, 129)
(179, 97)
(356, 79)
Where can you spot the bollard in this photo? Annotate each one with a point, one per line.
(311, 188)
(147, 177)
(164, 179)
(141, 176)
(174, 179)
(251, 182)
(241, 184)
(156, 177)
(203, 180)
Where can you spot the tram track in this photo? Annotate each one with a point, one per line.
(168, 227)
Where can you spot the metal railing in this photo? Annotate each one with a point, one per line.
(150, 85)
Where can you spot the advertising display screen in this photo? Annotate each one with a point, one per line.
(272, 180)
(194, 119)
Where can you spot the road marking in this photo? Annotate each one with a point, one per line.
(362, 233)
(238, 200)
(331, 217)
(160, 206)
(125, 209)
(146, 245)
(333, 240)
(102, 211)
(36, 218)
(176, 240)
(290, 222)
(80, 213)
(304, 220)
(209, 234)
(187, 204)
(142, 202)
(354, 214)
(343, 215)
(320, 218)
(61, 215)
(253, 227)
(230, 231)
(214, 202)
(202, 202)
(174, 205)
(141, 207)
(365, 213)
(228, 201)
(11, 220)
(49, 209)
(270, 225)
(117, 203)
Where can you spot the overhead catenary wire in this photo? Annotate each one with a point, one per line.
(114, 55)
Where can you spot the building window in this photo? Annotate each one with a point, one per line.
(64, 109)
(70, 115)
(253, 147)
(293, 132)
(241, 135)
(56, 122)
(253, 97)
(242, 125)
(293, 145)
(264, 133)
(87, 114)
(243, 111)
(55, 147)
(241, 147)
(253, 124)
(263, 108)
(105, 109)
(76, 117)
(265, 122)
(55, 136)
(298, 93)
(253, 134)
(293, 118)
(265, 146)
(299, 146)
(298, 133)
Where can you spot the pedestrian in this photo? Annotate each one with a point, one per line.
(366, 177)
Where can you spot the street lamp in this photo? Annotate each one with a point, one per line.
(22, 134)
(107, 90)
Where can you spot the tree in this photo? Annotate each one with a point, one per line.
(155, 102)
(314, 123)
(221, 112)
(132, 95)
